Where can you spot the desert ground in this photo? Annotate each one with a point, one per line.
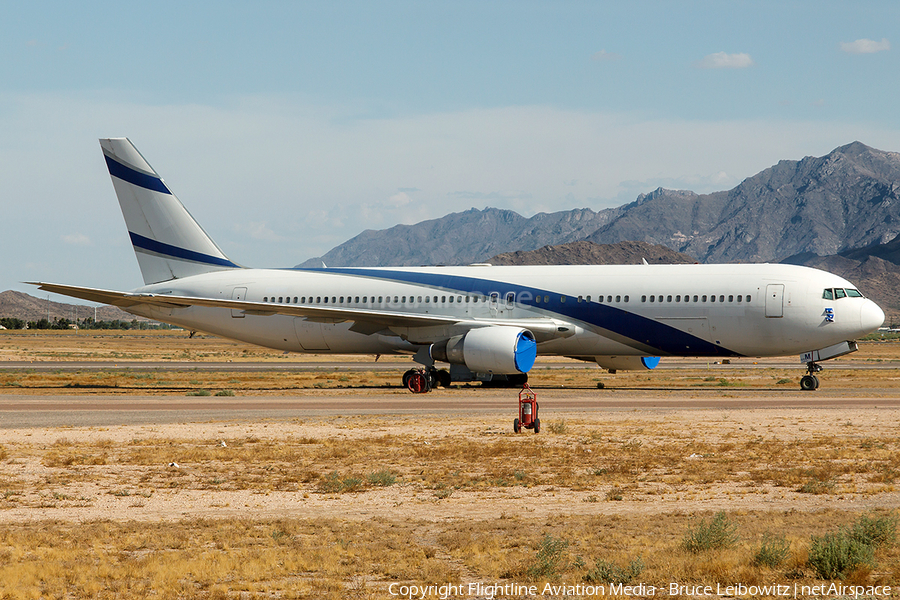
(150, 464)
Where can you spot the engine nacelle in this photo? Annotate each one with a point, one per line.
(495, 349)
(627, 363)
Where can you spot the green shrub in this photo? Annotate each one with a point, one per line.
(875, 532)
(607, 572)
(834, 555)
(773, 551)
(719, 533)
(383, 478)
(550, 559)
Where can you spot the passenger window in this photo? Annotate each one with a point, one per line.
(668, 298)
(703, 299)
(695, 298)
(839, 293)
(600, 299)
(420, 299)
(280, 299)
(427, 299)
(643, 298)
(748, 297)
(722, 298)
(380, 299)
(537, 300)
(588, 298)
(546, 299)
(458, 299)
(333, 300)
(265, 298)
(510, 298)
(618, 298)
(609, 298)
(678, 298)
(435, 299)
(731, 298)
(451, 299)
(828, 294)
(853, 293)
(562, 299)
(652, 298)
(580, 299)
(740, 297)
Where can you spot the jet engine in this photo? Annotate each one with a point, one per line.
(497, 349)
(627, 363)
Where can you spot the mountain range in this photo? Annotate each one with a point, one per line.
(817, 206)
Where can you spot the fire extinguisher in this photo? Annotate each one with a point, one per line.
(528, 411)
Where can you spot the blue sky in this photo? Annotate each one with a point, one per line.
(287, 128)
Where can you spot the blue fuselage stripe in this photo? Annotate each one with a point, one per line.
(644, 330)
(126, 173)
(145, 243)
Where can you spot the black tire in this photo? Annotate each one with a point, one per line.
(443, 378)
(807, 383)
(516, 427)
(406, 378)
(816, 379)
(537, 425)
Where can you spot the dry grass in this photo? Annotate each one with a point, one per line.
(299, 558)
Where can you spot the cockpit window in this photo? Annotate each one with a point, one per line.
(853, 293)
(839, 293)
(828, 294)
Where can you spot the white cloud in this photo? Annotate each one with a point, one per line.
(604, 56)
(259, 231)
(864, 46)
(722, 60)
(77, 239)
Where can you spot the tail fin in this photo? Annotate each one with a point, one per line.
(168, 242)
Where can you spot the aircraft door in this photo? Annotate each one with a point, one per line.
(775, 300)
(239, 293)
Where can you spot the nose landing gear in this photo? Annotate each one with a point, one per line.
(810, 382)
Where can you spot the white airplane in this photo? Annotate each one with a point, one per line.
(487, 322)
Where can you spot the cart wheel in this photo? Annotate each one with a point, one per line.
(516, 426)
(537, 425)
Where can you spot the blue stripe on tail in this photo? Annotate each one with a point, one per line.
(126, 173)
(163, 249)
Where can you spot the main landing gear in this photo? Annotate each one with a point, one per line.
(422, 380)
(810, 382)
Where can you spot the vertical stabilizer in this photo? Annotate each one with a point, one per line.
(168, 242)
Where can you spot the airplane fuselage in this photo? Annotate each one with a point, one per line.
(661, 310)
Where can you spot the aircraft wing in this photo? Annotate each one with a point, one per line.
(366, 320)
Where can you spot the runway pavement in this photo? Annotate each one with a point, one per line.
(94, 410)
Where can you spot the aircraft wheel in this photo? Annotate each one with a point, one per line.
(443, 378)
(406, 377)
(816, 379)
(516, 426)
(807, 383)
(418, 383)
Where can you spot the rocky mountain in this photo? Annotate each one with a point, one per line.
(821, 206)
(28, 308)
(463, 238)
(589, 253)
(845, 200)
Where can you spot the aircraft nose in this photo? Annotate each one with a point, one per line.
(871, 317)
